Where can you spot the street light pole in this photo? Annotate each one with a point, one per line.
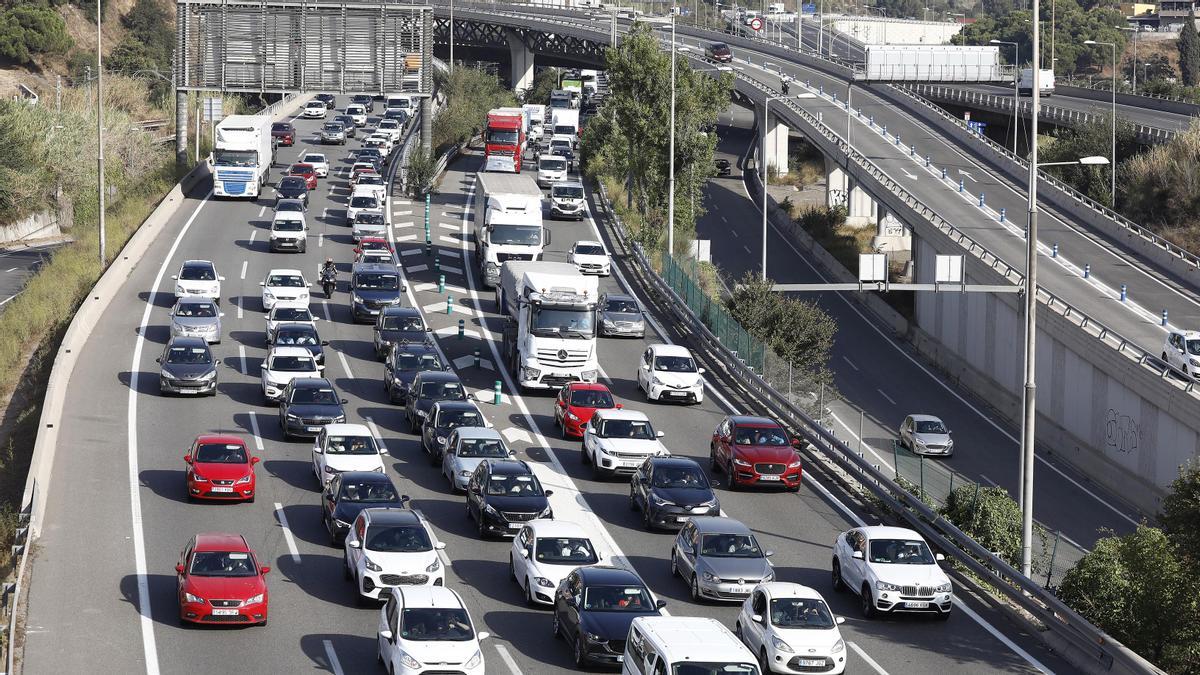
(671, 152)
(1113, 157)
(100, 134)
(451, 35)
(1016, 85)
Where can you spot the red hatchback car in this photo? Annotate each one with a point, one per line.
(284, 133)
(220, 581)
(220, 467)
(306, 171)
(755, 451)
(577, 402)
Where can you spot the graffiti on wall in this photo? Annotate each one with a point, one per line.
(1121, 432)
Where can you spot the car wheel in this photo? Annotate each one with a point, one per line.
(512, 568)
(712, 460)
(633, 506)
(764, 664)
(250, 499)
(555, 629)
(868, 602)
(529, 593)
(346, 570)
(579, 652)
(674, 564)
(696, 597)
(647, 522)
(838, 584)
(468, 509)
(480, 527)
(737, 630)
(733, 484)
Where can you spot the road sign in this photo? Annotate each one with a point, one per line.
(212, 109)
(872, 267)
(977, 127)
(756, 24)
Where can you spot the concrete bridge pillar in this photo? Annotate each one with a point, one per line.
(837, 185)
(522, 61)
(861, 208)
(893, 236)
(777, 146)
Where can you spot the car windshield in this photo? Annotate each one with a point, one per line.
(930, 427)
(296, 336)
(368, 492)
(900, 552)
(334, 127)
(289, 205)
(197, 273)
(398, 539)
(376, 281)
(281, 126)
(314, 396)
(589, 249)
(552, 165)
(563, 129)
(370, 179)
(442, 391)
(316, 159)
(713, 668)
(346, 120)
(718, 47)
(351, 445)
(286, 280)
(436, 624)
(369, 218)
(759, 436)
(404, 323)
(675, 364)
(235, 158)
(293, 364)
(481, 447)
(571, 192)
(388, 124)
(223, 564)
(199, 310)
(680, 477)
(730, 546)
(301, 169)
(617, 599)
(1193, 347)
(188, 355)
(621, 307)
(564, 551)
(408, 361)
(522, 485)
(292, 183)
(591, 398)
(451, 419)
(356, 110)
(291, 314)
(288, 225)
(639, 429)
(523, 235)
(220, 453)
(373, 245)
(800, 613)
(364, 202)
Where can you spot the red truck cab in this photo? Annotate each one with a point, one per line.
(505, 134)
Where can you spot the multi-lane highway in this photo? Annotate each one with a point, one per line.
(117, 514)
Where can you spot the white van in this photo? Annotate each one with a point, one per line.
(398, 102)
(658, 644)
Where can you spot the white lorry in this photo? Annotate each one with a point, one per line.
(564, 122)
(550, 324)
(535, 116)
(1045, 83)
(242, 155)
(508, 222)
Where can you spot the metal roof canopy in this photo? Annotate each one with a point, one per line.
(279, 46)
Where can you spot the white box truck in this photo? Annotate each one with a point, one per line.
(242, 155)
(535, 116)
(564, 122)
(1045, 83)
(550, 325)
(508, 222)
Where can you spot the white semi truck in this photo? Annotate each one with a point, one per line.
(550, 323)
(242, 155)
(508, 222)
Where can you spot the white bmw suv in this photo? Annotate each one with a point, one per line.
(892, 570)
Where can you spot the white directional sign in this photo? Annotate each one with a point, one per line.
(514, 434)
(872, 267)
(949, 269)
(468, 361)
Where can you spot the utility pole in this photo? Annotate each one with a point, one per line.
(671, 152)
(452, 36)
(100, 133)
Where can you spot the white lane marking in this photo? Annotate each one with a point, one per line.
(334, 664)
(325, 309)
(849, 363)
(320, 239)
(451, 269)
(411, 251)
(345, 365)
(747, 248)
(866, 445)
(378, 436)
(245, 264)
(240, 301)
(507, 659)
(870, 661)
(261, 211)
(324, 213)
(258, 444)
(253, 234)
(149, 647)
(417, 268)
(287, 532)
(962, 607)
(242, 358)
(884, 394)
(13, 269)
(5, 301)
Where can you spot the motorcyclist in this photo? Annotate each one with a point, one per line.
(328, 270)
(784, 87)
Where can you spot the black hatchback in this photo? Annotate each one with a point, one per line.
(428, 387)
(292, 187)
(348, 493)
(593, 609)
(669, 490)
(503, 495)
(402, 364)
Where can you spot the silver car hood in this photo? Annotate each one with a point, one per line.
(751, 569)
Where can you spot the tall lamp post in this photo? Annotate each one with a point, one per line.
(1113, 157)
(1016, 84)
(100, 133)
(762, 156)
(671, 152)
(451, 35)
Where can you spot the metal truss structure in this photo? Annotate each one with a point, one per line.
(470, 31)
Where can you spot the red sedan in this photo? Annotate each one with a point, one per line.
(755, 451)
(220, 467)
(306, 171)
(373, 244)
(284, 133)
(220, 581)
(577, 402)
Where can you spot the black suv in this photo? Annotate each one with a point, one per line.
(402, 364)
(292, 187)
(427, 387)
(373, 286)
(327, 99)
(307, 405)
(503, 495)
(444, 417)
(669, 490)
(397, 325)
(365, 101)
(593, 609)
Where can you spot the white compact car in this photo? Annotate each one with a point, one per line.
(618, 441)
(391, 547)
(544, 552)
(372, 183)
(357, 113)
(368, 223)
(345, 447)
(319, 162)
(790, 627)
(1181, 351)
(284, 314)
(669, 373)
(198, 279)
(390, 127)
(289, 232)
(387, 141)
(591, 258)
(284, 287)
(282, 365)
(427, 628)
(892, 570)
(315, 110)
(364, 200)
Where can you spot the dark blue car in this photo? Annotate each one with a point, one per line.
(593, 609)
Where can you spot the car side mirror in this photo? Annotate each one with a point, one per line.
(386, 635)
(262, 283)
(524, 553)
(840, 620)
(179, 569)
(158, 360)
(324, 343)
(264, 569)
(187, 458)
(714, 482)
(262, 366)
(857, 555)
(660, 434)
(769, 553)
(354, 543)
(220, 278)
(756, 618)
(483, 635)
(344, 401)
(549, 493)
(255, 460)
(660, 603)
(441, 546)
(939, 557)
(795, 442)
(175, 277)
(700, 371)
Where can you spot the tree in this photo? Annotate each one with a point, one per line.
(26, 30)
(991, 517)
(1180, 515)
(470, 94)
(1189, 51)
(1137, 589)
(1161, 187)
(798, 331)
(1091, 140)
(544, 82)
(419, 174)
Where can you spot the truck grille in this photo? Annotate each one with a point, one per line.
(770, 469)
(502, 258)
(562, 358)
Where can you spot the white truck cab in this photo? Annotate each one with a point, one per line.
(550, 331)
(508, 222)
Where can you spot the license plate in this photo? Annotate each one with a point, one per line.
(677, 393)
(916, 605)
(620, 658)
(225, 612)
(514, 526)
(222, 489)
(811, 663)
(189, 390)
(768, 477)
(313, 428)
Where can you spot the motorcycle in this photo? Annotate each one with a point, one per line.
(328, 284)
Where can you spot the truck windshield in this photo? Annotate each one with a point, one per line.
(568, 323)
(565, 129)
(235, 158)
(518, 235)
(503, 137)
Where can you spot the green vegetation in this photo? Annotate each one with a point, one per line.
(544, 82)
(419, 174)
(29, 29)
(1089, 21)
(147, 48)
(1189, 52)
(1091, 140)
(993, 519)
(470, 94)
(798, 331)
(1160, 190)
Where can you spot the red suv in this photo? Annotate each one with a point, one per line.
(220, 467)
(577, 402)
(306, 171)
(755, 451)
(220, 581)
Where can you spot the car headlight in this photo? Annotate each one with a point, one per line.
(780, 645)
(545, 513)
(421, 413)
(255, 600)
(244, 479)
(379, 469)
(838, 647)
(180, 290)
(176, 326)
(770, 576)
(369, 564)
(740, 462)
(464, 474)
(531, 373)
(198, 478)
(475, 660)
(710, 577)
(488, 508)
(340, 419)
(543, 582)
(659, 501)
(606, 323)
(340, 523)
(192, 598)
(357, 299)
(330, 469)
(208, 376)
(592, 637)
(572, 416)
(654, 380)
(434, 566)
(1194, 362)
(885, 586)
(441, 440)
(304, 295)
(268, 295)
(293, 418)
(943, 588)
(794, 465)
(408, 661)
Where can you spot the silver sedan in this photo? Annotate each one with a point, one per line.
(196, 317)
(465, 449)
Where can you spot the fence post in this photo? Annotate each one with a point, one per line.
(922, 464)
(896, 457)
(975, 508)
(861, 416)
(1053, 555)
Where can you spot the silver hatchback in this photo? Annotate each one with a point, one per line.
(465, 449)
(926, 435)
(720, 559)
(196, 317)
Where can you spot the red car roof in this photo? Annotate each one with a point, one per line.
(221, 541)
(220, 438)
(307, 168)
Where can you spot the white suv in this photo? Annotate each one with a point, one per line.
(391, 547)
(543, 553)
(668, 372)
(422, 625)
(345, 447)
(892, 570)
(1181, 351)
(550, 170)
(289, 232)
(618, 441)
(315, 110)
(284, 364)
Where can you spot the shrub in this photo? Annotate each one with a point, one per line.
(28, 30)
